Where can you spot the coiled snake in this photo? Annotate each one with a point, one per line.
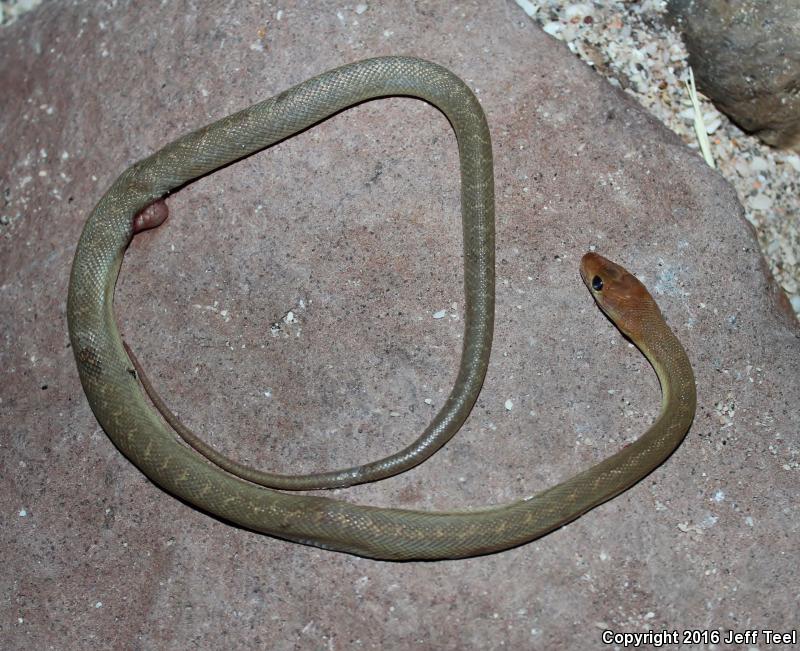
(134, 202)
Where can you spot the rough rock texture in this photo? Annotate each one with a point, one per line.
(746, 59)
(353, 227)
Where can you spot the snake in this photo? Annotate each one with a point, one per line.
(136, 201)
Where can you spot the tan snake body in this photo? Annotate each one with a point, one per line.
(116, 398)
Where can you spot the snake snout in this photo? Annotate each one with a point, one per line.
(618, 293)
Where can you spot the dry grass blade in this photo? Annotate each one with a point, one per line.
(699, 125)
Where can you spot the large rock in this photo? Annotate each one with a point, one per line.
(354, 227)
(746, 59)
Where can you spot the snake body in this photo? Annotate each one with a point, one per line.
(120, 406)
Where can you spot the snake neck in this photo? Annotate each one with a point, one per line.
(671, 364)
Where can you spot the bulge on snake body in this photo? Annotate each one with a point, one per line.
(151, 216)
(121, 408)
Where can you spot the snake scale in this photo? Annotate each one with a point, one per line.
(135, 201)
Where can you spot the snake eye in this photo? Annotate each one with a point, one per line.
(597, 283)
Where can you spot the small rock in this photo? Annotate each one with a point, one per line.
(761, 202)
(794, 161)
(553, 28)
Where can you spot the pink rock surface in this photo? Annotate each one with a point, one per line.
(353, 227)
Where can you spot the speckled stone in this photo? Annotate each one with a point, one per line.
(353, 227)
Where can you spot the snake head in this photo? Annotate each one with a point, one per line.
(621, 296)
